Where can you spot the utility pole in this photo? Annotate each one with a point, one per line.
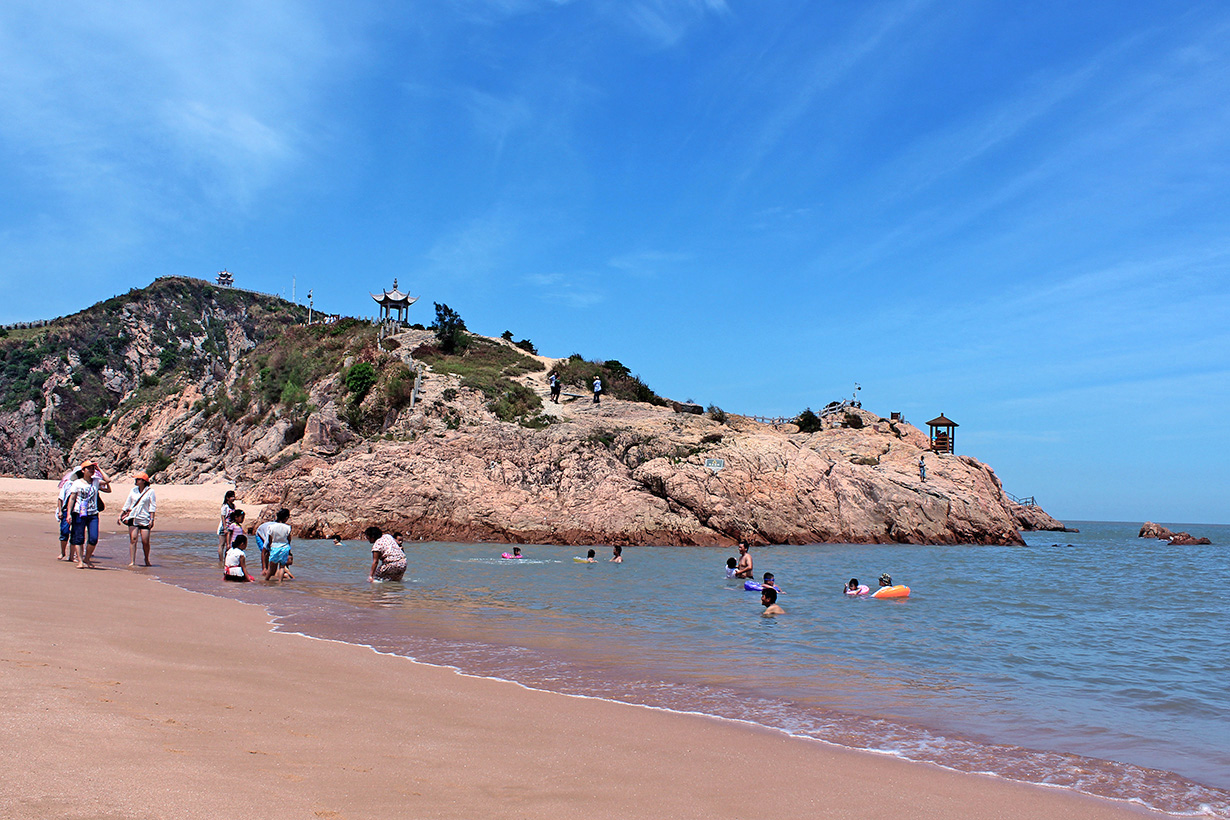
(309, 307)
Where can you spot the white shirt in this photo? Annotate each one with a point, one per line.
(140, 506)
(232, 561)
(276, 534)
(87, 496)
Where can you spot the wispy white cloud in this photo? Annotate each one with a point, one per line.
(649, 263)
(666, 22)
(578, 289)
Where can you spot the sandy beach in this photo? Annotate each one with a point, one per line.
(127, 698)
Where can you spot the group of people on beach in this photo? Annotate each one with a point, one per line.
(272, 540)
(79, 503)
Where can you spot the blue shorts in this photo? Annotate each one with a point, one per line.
(82, 526)
(260, 543)
(66, 527)
(279, 554)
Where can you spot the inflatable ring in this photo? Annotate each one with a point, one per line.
(898, 591)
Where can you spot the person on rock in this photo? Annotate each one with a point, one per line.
(597, 390)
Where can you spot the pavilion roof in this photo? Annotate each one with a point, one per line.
(942, 421)
(395, 297)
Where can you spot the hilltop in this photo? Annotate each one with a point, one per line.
(194, 382)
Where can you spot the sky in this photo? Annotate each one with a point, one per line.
(1015, 215)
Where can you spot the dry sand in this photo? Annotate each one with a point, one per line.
(126, 698)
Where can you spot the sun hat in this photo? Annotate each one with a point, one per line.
(90, 463)
(141, 476)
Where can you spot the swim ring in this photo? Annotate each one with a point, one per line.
(510, 555)
(898, 591)
(861, 589)
(756, 586)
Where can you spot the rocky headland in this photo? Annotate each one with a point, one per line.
(348, 430)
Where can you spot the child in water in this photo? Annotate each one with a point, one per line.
(590, 557)
(855, 588)
(731, 566)
(235, 563)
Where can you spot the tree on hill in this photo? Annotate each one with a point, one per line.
(450, 329)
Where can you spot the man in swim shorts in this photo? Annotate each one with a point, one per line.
(744, 569)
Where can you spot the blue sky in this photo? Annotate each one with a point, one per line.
(1014, 215)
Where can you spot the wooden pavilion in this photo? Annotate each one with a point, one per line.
(943, 434)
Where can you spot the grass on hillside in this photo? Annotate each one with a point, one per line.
(490, 368)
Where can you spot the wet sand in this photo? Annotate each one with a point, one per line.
(127, 698)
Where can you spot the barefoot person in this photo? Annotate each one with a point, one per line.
(83, 506)
(388, 560)
(278, 542)
(228, 507)
(744, 568)
(138, 515)
(264, 538)
(63, 518)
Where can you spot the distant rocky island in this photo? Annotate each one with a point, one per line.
(447, 435)
(1175, 539)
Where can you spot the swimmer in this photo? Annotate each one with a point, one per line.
(617, 555)
(770, 582)
(517, 552)
(744, 568)
(768, 599)
(731, 564)
(855, 588)
(590, 557)
(886, 580)
(337, 541)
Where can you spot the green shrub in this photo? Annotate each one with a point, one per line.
(854, 421)
(149, 380)
(617, 380)
(449, 394)
(717, 414)
(158, 463)
(30, 443)
(400, 388)
(808, 422)
(359, 380)
(92, 422)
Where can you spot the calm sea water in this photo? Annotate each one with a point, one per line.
(1096, 661)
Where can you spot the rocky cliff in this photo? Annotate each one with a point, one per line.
(348, 432)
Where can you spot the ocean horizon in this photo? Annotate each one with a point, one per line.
(1081, 660)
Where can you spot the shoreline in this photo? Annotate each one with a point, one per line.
(109, 706)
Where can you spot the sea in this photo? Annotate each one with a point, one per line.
(1095, 661)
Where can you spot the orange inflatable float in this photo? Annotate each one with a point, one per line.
(899, 591)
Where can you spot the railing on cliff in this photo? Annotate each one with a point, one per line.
(1027, 501)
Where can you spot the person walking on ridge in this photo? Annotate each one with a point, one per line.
(597, 390)
(922, 468)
